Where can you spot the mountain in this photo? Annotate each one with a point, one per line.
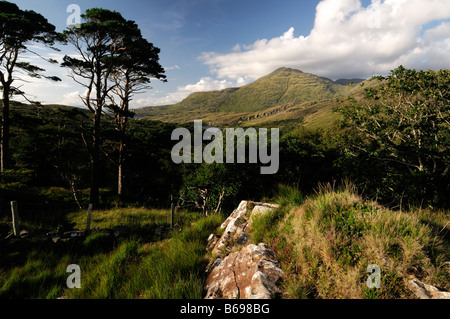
(282, 87)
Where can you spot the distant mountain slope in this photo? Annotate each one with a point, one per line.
(278, 88)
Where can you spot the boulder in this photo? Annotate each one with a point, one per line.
(238, 226)
(242, 270)
(251, 273)
(73, 234)
(24, 234)
(424, 291)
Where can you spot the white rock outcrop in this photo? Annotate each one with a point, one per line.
(424, 291)
(242, 270)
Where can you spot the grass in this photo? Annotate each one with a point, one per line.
(326, 243)
(141, 265)
(133, 217)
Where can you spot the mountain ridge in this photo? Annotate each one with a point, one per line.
(282, 86)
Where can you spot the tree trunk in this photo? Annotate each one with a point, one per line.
(120, 172)
(122, 124)
(95, 171)
(4, 139)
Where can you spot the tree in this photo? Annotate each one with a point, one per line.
(100, 41)
(210, 185)
(405, 120)
(133, 73)
(18, 29)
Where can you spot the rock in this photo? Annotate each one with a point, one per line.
(234, 226)
(243, 270)
(251, 273)
(238, 225)
(424, 291)
(73, 234)
(212, 242)
(24, 234)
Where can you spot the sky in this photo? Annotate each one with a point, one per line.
(215, 44)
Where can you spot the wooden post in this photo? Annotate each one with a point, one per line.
(172, 207)
(89, 214)
(15, 218)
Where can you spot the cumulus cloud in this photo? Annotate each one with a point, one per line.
(205, 84)
(348, 40)
(72, 98)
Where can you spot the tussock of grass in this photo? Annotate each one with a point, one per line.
(289, 196)
(326, 244)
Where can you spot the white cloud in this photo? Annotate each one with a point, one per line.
(170, 68)
(348, 40)
(205, 84)
(72, 98)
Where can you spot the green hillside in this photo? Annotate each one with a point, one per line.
(283, 86)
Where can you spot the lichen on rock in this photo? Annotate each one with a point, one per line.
(242, 270)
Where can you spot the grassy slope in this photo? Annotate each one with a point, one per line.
(147, 264)
(326, 242)
(284, 87)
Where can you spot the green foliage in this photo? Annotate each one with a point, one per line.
(210, 185)
(21, 26)
(307, 157)
(15, 180)
(404, 125)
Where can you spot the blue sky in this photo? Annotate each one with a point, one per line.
(214, 44)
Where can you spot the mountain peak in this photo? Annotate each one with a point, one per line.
(285, 69)
(282, 86)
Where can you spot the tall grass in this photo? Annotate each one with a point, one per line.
(133, 217)
(326, 244)
(128, 267)
(168, 269)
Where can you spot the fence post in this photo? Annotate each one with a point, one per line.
(15, 218)
(172, 217)
(88, 224)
